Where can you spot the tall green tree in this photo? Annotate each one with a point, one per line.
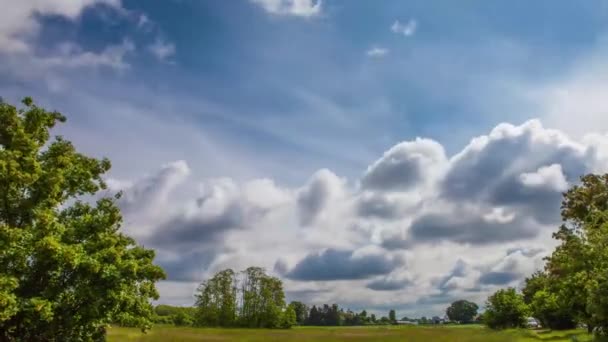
(254, 300)
(301, 311)
(506, 309)
(288, 317)
(216, 300)
(66, 270)
(392, 316)
(578, 265)
(462, 311)
(543, 298)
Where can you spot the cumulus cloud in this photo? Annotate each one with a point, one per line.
(466, 224)
(405, 165)
(465, 227)
(321, 190)
(333, 264)
(550, 177)
(390, 282)
(20, 27)
(149, 196)
(298, 8)
(19, 22)
(407, 29)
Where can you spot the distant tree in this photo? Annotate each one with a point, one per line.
(216, 300)
(272, 298)
(392, 316)
(423, 320)
(314, 318)
(385, 320)
(372, 318)
(462, 311)
(363, 317)
(301, 311)
(182, 318)
(505, 309)
(66, 269)
(288, 317)
(176, 315)
(333, 316)
(262, 300)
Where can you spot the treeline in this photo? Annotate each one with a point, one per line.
(333, 315)
(572, 289)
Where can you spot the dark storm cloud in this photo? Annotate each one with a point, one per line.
(498, 278)
(189, 266)
(335, 264)
(463, 228)
(184, 230)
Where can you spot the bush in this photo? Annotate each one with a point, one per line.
(506, 309)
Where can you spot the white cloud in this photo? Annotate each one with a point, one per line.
(162, 49)
(298, 8)
(19, 34)
(407, 29)
(19, 25)
(377, 52)
(546, 176)
(486, 205)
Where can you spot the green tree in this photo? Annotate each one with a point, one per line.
(462, 311)
(505, 309)
(216, 300)
(543, 298)
(182, 318)
(288, 318)
(262, 300)
(577, 267)
(392, 316)
(372, 318)
(66, 270)
(301, 311)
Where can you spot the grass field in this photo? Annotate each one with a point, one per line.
(376, 333)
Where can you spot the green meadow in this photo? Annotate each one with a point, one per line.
(368, 333)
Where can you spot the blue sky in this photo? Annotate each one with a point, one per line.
(312, 110)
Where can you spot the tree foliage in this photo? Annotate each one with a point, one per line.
(301, 311)
(392, 316)
(249, 299)
(462, 311)
(66, 270)
(577, 268)
(543, 297)
(175, 315)
(505, 309)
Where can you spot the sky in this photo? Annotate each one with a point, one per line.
(379, 155)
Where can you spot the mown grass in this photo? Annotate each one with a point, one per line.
(376, 333)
